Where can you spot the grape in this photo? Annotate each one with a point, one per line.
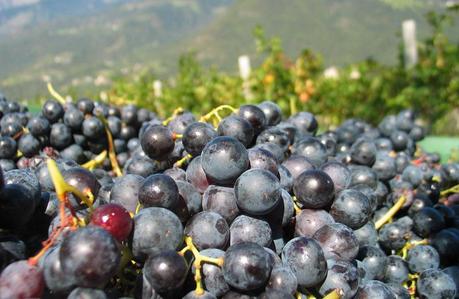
(363, 151)
(224, 159)
(375, 261)
(286, 178)
(338, 241)
(16, 206)
(56, 279)
(194, 295)
(341, 275)
(90, 256)
(427, 221)
(306, 259)
(435, 284)
(275, 294)
(305, 122)
(52, 110)
(396, 270)
(247, 266)
(156, 230)
(257, 191)
(283, 279)
(272, 112)
(363, 175)
(21, 280)
(85, 105)
(166, 271)
(212, 275)
(74, 118)
(314, 189)
(157, 142)
(384, 166)
(248, 229)
(159, 190)
(208, 230)
(196, 175)
(262, 159)
(196, 136)
(180, 122)
(367, 234)
(422, 257)
(297, 164)
(82, 180)
(8, 147)
(310, 221)
(93, 128)
(113, 218)
(254, 115)
(274, 135)
(339, 173)
(60, 136)
(190, 195)
(125, 191)
(374, 289)
(237, 127)
(312, 149)
(352, 208)
(220, 200)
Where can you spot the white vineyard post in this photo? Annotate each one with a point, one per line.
(409, 43)
(244, 72)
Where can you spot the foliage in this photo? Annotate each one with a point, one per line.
(366, 89)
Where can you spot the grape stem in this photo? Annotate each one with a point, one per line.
(182, 161)
(199, 259)
(410, 244)
(454, 189)
(98, 160)
(176, 112)
(296, 206)
(111, 148)
(391, 213)
(215, 113)
(55, 94)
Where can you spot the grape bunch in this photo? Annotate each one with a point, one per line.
(99, 201)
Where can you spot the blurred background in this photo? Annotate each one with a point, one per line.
(335, 58)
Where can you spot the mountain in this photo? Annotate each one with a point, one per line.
(80, 44)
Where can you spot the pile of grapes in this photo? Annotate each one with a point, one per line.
(98, 201)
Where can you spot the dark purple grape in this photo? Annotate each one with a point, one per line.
(191, 196)
(297, 164)
(194, 295)
(272, 112)
(262, 159)
(435, 284)
(338, 241)
(74, 118)
(367, 234)
(339, 173)
(85, 105)
(384, 166)
(247, 266)
(274, 135)
(52, 110)
(399, 140)
(166, 271)
(363, 152)
(176, 173)
(427, 221)
(16, 206)
(129, 114)
(213, 279)
(351, 208)
(82, 179)
(283, 279)
(445, 242)
(312, 149)
(21, 280)
(275, 294)
(38, 126)
(196, 136)
(363, 175)
(341, 275)
(257, 191)
(93, 128)
(375, 261)
(393, 236)
(254, 116)
(159, 190)
(237, 127)
(125, 191)
(29, 145)
(373, 289)
(60, 136)
(286, 178)
(422, 257)
(306, 259)
(83, 293)
(314, 189)
(220, 200)
(196, 175)
(248, 229)
(396, 270)
(156, 230)
(309, 221)
(157, 142)
(305, 122)
(224, 159)
(8, 147)
(56, 279)
(180, 122)
(90, 256)
(208, 230)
